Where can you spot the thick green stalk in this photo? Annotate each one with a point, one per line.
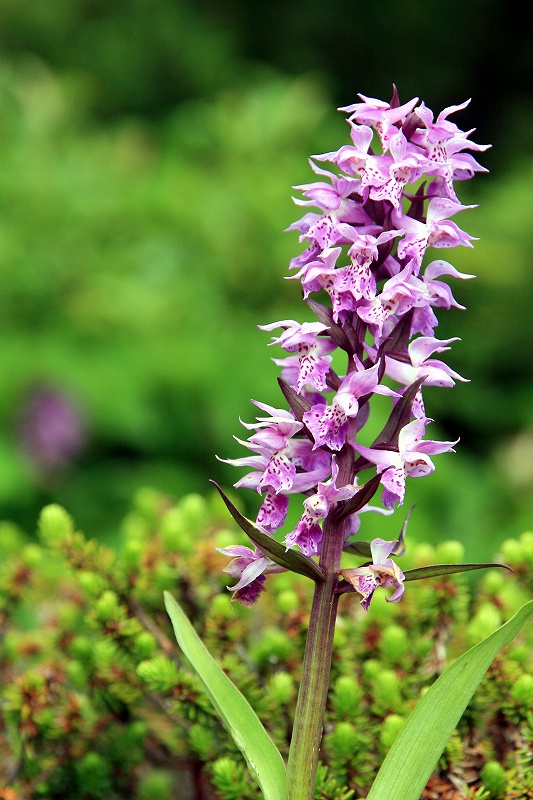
(312, 696)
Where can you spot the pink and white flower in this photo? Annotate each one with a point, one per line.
(382, 571)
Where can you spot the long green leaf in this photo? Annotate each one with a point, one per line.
(419, 745)
(448, 569)
(262, 756)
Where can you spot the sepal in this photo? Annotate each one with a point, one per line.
(289, 559)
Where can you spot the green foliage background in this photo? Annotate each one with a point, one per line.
(146, 161)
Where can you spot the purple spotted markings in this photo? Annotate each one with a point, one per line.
(368, 274)
(381, 571)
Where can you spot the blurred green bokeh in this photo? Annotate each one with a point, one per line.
(147, 155)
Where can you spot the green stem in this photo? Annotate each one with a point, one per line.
(312, 695)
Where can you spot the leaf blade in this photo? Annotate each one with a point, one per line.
(418, 746)
(262, 756)
(436, 570)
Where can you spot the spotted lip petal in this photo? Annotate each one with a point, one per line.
(382, 571)
(367, 257)
(419, 573)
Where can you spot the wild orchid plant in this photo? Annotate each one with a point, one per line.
(389, 199)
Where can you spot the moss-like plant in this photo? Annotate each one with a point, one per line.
(98, 703)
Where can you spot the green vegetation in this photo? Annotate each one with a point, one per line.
(147, 153)
(137, 259)
(99, 702)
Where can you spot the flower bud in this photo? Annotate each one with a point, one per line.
(280, 688)
(494, 779)
(287, 601)
(485, 622)
(450, 552)
(522, 691)
(155, 785)
(274, 647)
(54, 524)
(347, 695)
(390, 728)
(393, 643)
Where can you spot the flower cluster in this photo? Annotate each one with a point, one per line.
(390, 198)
